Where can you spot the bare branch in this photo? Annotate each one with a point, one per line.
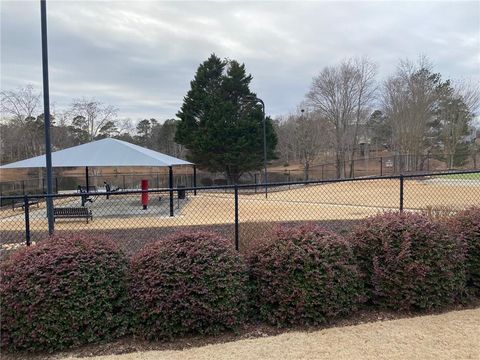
(20, 104)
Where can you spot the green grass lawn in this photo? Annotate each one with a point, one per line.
(473, 176)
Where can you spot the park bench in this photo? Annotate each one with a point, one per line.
(72, 212)
(21, 203)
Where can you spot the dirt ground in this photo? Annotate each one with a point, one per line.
(346, 200)
(453, 335)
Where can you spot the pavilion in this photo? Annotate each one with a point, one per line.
(106, 153)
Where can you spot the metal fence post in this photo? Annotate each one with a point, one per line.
(401, 192)
(27, 219)
(194, 180)
(381, 166)
(170, 185)
(266, 182)
(237, 242)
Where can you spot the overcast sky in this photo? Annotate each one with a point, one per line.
(141, 56)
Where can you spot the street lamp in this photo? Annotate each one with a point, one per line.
(305, 170)
(256, 100)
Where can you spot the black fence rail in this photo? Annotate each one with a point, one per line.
(240, 212)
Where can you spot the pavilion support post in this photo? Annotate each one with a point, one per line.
(170, 185)
(85, 197)
(194, 180)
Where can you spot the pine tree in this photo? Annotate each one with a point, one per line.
(450, 127)
(219, 125)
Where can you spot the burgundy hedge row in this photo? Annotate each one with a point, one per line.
(69, 291)
(466, 226)
(409, 262)
(189, 282)
(303, 275)
(63, 292)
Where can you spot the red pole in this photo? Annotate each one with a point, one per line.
(144, 194)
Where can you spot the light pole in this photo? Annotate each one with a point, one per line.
(46, 115)
(254, 99)
(305, 167)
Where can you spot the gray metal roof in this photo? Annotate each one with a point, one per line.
(105, 152)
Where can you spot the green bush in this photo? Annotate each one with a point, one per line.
(409, 262)
(191, 282)
(62, 292)
(303, 275)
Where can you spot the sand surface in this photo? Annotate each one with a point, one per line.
(454, 335)
(348, 200)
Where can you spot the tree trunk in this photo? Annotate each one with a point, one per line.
(338, 165)
(306, 168)
(233, 176)
(340, 160)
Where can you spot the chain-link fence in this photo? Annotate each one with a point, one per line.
(240, 212)
(128, 181)
(388, 165)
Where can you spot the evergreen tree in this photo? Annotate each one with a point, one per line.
(450, 127)
(380, 129)
(219, 125)
(144, 132)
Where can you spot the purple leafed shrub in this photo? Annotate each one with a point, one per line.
(62, 292)
(191, 282)
(409, 262)
(465, 225)
(303, 275)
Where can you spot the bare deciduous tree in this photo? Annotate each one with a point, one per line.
(342, 95)
(93, 116)
(287, 143)
(303, 136)
(311, 136)
(20, 120)
(366, 72)
(20, 104)
(408, 100)
(469, 92)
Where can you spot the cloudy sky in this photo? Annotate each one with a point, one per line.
(140, 56)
